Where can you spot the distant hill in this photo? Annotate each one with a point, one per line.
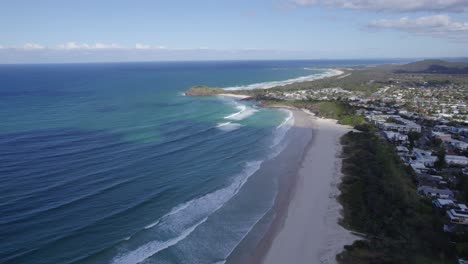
(433, 66)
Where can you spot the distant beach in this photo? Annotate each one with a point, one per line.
(266, 85)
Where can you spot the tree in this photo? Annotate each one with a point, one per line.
(440, 163)
(413, 137)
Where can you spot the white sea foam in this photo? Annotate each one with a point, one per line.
(173, 211)
(277, 146)
(153, 247)
(266, 85)
(244, 112)
(283, 128)
(228, 126)
(185, 218)
(241, 109)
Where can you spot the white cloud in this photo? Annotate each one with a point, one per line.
(107, 46)
(32, 46)
(140, 46)
(85, 46)
(436, 25)
(457, 6)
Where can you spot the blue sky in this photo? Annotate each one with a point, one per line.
(89, 30)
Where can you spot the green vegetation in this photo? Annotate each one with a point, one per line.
(204, 91)
(340, 111)
(463, 187)
(413, 137)
(352, 120)
(380, 200)
(440, 162)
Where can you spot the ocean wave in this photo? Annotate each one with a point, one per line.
(241, 109)
(185, 218)
(267, 85)
(154, 247)
(228, 126)
(244, 112)
(283, 128)
(35, 213)
(172, 212)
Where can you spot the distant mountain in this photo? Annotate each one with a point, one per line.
(434, 66)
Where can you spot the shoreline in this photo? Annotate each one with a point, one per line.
(330, 73)
(237, 96)
(229, 91)
(305, 214)
(306, 229)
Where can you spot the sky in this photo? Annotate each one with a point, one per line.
(57, 31)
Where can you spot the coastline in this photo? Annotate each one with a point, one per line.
(303, 225)
(329, 73)
(306, 228)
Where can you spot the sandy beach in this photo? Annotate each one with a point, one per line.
(306, 228)
(237, 96)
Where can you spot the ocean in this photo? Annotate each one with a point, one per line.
(111, 163)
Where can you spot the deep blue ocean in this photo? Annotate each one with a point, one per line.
(111, 163)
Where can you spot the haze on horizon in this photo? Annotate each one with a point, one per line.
(53, 31)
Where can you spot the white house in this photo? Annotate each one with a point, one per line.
(443, 203)
(456, 160)
(434, 192)
(458, 216)
(424, 156)
(460, 145)
(402, 150)
(395, 136)
(441, 135)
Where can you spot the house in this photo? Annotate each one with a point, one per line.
(401, 128)
(443, 203)
(424, 156)
(441, 135)
(441, 128)
(457, 144)
(419, 167)
(465, 171)
(456, 160)
(395, 137)
(458, 216)
(402, 150)
(434, 192)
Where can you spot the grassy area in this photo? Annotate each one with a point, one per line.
(203, 91)
(340, 111)
(380, 200)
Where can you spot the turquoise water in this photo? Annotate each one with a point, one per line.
(110, 163)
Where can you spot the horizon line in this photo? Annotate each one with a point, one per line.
(238, 60)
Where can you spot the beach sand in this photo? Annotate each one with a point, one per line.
(306, 228)
(237, 96)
